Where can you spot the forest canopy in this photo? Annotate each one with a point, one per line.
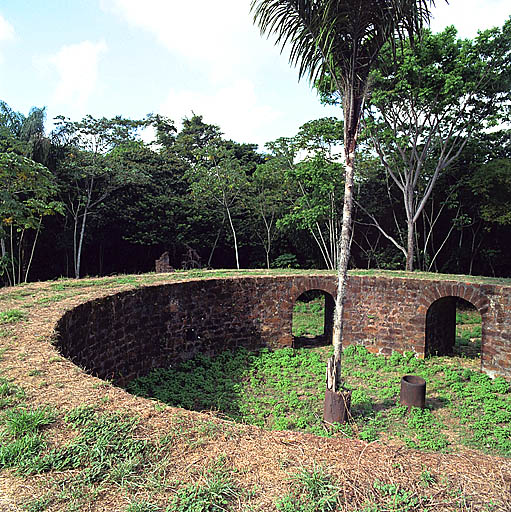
(91, 197)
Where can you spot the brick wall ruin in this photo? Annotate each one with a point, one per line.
(124, 335)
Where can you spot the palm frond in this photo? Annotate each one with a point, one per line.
(325, 36)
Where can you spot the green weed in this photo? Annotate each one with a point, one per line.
(38, 504)
(213, 493)
(21, 421)
(11, 316)
(51, 299)
(312, 491)
(393, 498)
(9, 393)
(308, 317)
(283, 390)
(142, 506)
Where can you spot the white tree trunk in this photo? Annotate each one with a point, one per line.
(342, 271)
(235, 239)
(78, 255)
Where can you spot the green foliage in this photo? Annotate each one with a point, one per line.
(314, 183)
(308, 317)
(445, 89)
(427, 431)
(213, 493)
(491, 182)
(11, 316)
(393, 497)
(312, 491)
(26, 196)
(283, 389)
(286, 260)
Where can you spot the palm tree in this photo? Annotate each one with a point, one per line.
(339, 41)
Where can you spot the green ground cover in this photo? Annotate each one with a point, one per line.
(283, 389)
(309, 317)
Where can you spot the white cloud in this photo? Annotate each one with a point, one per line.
(218, 38)
(77, 70)
(469, 16)
(6, 32)
(236, 109)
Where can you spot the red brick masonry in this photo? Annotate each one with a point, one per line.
(125, 335)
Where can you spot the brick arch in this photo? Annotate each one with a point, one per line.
(440, 291)
(326, 286)
(306, 285)
(471, 293)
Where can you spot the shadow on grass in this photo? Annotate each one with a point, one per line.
(203, 383)
(311, 341)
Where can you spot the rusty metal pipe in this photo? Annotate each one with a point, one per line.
(413, 391)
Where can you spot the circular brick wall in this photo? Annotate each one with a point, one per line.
(125, 335)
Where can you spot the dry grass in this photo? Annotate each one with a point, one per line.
(262, 461)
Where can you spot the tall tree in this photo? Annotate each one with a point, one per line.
(91, 169)
(341, 39)
(219, 179)
(26, 196)
(267, 189)
(317, 178)
(425, 105)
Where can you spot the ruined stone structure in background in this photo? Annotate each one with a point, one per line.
(162, 264)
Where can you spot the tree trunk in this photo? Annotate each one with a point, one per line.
(33, 250)
(410, 247)
(268, 245)
(344, 255)
(235, 239)
(219, 232)
(337, 401)
(80, 245)
(12, 258)
(4, 255)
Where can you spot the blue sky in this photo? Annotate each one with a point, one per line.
(133, 57)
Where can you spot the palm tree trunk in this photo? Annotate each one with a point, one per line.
(342, 267)
(337, 401)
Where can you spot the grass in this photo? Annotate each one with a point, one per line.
(312, 490)
(60, 459)
(11, 316)
(309, 316)
(104, 450)
(283, 389)
(468, 331)
(212, 493)
(9, 393)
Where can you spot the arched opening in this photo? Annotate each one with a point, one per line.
(313, 314)
(453, 327)
(469, 328)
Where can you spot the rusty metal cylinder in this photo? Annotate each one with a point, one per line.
(413, 391)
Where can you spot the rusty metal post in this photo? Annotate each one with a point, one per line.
(413, 391)
(337, 406)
